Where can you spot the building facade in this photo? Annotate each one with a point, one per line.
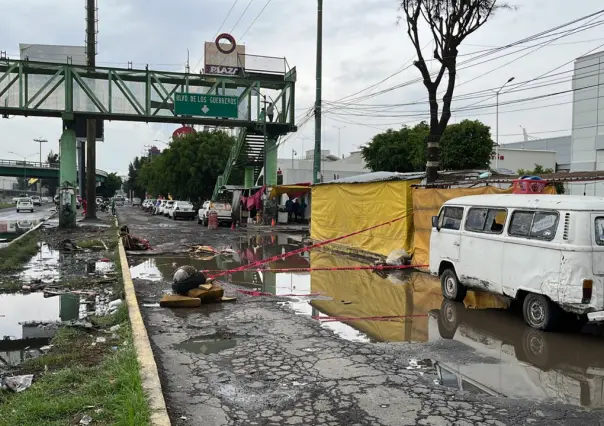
(587, 147)
(296, 170)
(561, 145)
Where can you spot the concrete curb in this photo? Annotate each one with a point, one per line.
(31, 230)
(144, 354)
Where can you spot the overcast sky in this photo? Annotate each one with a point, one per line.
(362, 46)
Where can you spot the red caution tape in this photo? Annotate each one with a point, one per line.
(381, 318)
(260, 293)
(304, 249)
(334, 268)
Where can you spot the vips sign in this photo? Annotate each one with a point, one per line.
(223, 56)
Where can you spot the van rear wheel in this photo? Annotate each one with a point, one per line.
(539, 312)
(451, 288)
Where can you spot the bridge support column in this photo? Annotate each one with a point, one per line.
(248, 180)
(68, 177)
(271, 162)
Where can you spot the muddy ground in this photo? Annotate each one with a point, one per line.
(364, 349)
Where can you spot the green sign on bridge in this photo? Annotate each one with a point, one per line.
(205, 105)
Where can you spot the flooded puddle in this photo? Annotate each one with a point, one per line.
(206, 345)
(477, 346)
(21, 336)
(13, 229)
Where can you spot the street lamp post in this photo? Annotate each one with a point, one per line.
(497, 122)
(40, 141)
(24, 167)
(339, 134)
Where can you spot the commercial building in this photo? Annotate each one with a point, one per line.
(296, 170)
(561, 145)
(587, 153)
(513, 159)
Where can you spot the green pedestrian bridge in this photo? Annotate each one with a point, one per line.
(29, 169)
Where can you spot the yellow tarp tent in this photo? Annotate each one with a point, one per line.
(367, 294)
(342, 208)
(427, 203)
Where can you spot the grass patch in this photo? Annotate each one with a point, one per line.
(81, 376)
(6, 205)
(13, 257)
(91, 244)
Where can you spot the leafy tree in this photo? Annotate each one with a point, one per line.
(52, 184)
(132, 184)
(465, 145)
(449, 22)
(189, 168)
(539, 170)
(112, 183)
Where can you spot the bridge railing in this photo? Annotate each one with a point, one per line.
(21, 163)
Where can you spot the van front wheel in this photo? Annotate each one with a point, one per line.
(539, 312)
(451, 288)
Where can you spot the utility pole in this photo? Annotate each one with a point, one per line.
(317, 157)
(497, 122)
(293, 154)
(91, 122)
(40, 141)
(339, 134)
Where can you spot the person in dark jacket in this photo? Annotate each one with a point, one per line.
(289, 208)
(296, 209)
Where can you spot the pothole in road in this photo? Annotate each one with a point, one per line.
(209, 344)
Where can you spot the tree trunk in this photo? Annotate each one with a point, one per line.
(432, 155)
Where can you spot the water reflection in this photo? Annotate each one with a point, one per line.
(20, 335)
(13, 229)
(517, 361)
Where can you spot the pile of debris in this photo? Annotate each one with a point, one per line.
(191, 289)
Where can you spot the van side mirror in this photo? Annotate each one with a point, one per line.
(435, 223)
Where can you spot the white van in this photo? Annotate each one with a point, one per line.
(544, 250)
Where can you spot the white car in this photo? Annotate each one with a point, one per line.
(36, 200)
(169, 204)
(158, 209)
(136, 202)
(25, 204)
(182, 209)
(223, 209)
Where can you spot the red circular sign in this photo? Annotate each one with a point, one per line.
(230, 39)
(182, 131)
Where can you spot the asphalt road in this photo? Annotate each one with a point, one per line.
(40, 213)
(264, 360)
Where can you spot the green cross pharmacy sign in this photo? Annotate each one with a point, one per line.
(206, 105)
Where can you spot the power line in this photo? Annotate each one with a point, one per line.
(241, 16)
(255, 19)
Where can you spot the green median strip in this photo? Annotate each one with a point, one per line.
(17, 254)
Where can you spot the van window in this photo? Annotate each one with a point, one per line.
(451, 218)
(538, 225)
(490, 221)
(600, 231)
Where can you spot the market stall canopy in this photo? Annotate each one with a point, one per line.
(292, 191)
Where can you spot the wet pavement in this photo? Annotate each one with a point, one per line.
(364, 348)
(40, 213)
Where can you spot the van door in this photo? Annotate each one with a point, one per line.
(597, 223)
(482, 249)
(446, 241)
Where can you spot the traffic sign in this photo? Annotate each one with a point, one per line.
(205, 105)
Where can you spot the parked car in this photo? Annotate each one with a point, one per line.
(25, 204)
(545, 251)
(46, 199)
(223, 209)
(182, 209)
(136, 202)
(119, 201)
(36, 200)
(167, 207)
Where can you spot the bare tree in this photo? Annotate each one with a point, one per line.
(450, 22)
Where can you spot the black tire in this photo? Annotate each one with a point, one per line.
(535, 349)
(450, 286)
(198, 221)
(205, 221)
(539, 312)
(449, 318)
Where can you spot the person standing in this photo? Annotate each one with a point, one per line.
(289, 209)
(296, 209)
(270, 112)
(303, 206)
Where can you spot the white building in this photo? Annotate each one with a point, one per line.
(514, 159)
(587, 148)
(296, 170)
(560, 144)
